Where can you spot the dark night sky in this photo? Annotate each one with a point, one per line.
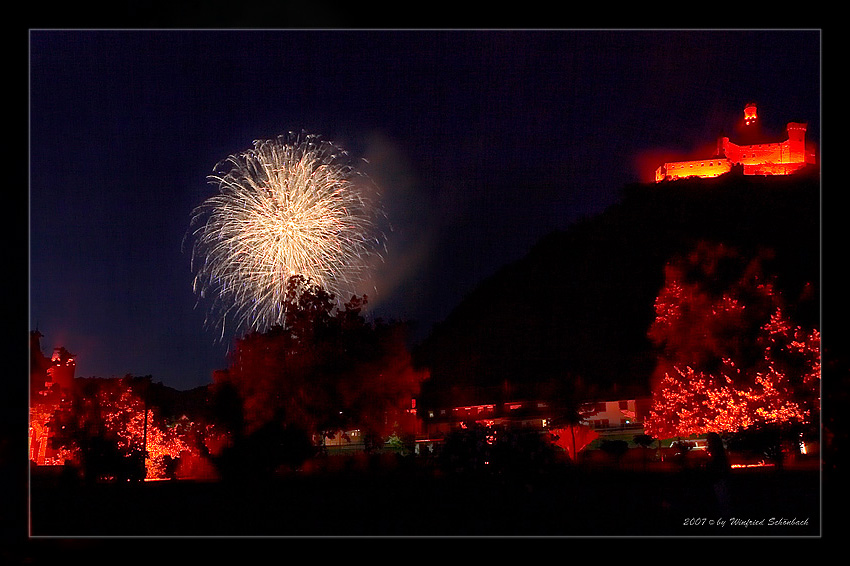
(482, 142)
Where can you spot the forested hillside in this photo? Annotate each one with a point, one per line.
(579, 305)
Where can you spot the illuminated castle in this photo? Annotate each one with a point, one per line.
(781, 158)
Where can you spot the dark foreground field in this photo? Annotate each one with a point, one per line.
(410, 503)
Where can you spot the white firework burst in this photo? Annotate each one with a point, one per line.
(293, 205)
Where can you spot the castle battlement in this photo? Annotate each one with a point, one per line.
(782, 158)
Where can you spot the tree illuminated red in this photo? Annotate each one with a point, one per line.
(730, 357)
(112, 415)
(325, 370)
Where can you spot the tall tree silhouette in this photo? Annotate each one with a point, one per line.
(325, 369)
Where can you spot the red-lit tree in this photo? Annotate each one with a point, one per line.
(730, 357)
(324, 369)
(110, 431)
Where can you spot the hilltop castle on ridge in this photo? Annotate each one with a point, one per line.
(781, 158)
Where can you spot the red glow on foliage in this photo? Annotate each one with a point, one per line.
(60, 431)
(326, 370)
(703, 382)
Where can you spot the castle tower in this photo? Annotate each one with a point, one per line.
(748, 131)
(62, 368)
(796, 142)
(750, 114)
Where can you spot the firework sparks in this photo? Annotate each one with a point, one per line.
(294, 205)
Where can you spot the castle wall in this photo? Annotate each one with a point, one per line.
(758, 153)
(792, 150)
(782, 158)
(700, 168)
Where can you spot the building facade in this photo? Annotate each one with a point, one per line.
(606, 416)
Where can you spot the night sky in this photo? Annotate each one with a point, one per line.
(481, 142)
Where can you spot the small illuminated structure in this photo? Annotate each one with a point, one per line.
(750, 114)
(62, 367)
(782, 158)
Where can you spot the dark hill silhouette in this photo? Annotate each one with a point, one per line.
(580, 303)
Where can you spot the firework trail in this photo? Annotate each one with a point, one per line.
(294, 205)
